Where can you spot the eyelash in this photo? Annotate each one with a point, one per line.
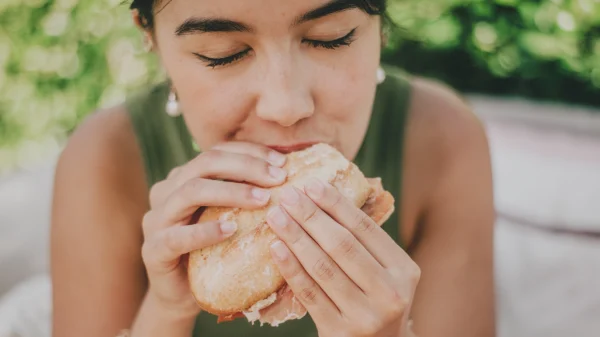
(222, 61)
(342, 41)
(333, 44)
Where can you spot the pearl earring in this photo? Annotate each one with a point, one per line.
(172, 106)
(380, 75)
(148, 45)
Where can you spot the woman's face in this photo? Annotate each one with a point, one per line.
(283, 73)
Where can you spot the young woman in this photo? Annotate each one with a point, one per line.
(249, 80)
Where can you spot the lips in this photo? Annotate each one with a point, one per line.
(291, 148)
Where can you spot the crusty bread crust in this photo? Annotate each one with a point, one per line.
(230, 277)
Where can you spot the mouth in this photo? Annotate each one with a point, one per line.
(285, 149)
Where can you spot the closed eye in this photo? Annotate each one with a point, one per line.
(345, 40)
(215, 62)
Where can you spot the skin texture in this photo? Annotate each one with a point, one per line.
(126, 264)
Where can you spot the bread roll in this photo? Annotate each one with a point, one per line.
(238, 277)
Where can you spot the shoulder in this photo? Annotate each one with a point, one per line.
(102, 156)
(443, 136)
(103, 143)
(444, 119)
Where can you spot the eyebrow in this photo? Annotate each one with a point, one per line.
(332, 7)
(213, 25)
(199, 25)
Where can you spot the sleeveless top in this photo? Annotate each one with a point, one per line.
(165, 143)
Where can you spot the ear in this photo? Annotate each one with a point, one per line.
(383, 32)
(137, 19)
(142, 25)
(384, 39)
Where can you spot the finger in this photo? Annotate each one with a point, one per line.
(232, 166)
(255, 150)
(305, 289)
(347, 252)
(229, 166)
(160, 191)
(206, 192)
(376, 241)
(320, 266)
(264, 170)
(163, 251)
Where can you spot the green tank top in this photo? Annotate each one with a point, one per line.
(165, 143)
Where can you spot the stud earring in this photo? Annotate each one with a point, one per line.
(148, 42)
(380, 75)
(172, 106)
(148, 45)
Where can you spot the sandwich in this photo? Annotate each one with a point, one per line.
(237, 278)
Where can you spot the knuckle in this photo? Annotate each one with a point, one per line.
(144, 252)
(174, 172)
(200, 234)
(346, 246)
(211, 155)
(415, 273)
(249, 161)
(299, 240)
(264, 152)
(410, 273)
(311, 215)
(395, 307)
(363, 223)
(147, 222)
(188, 192)
(191, 186)
(256, 165)
(333, 198)
(148, 249)
(369, 325)
(265, 167)
(324, 269)
(156, 194)
(309, 294)
(171, 241)
(293, 272)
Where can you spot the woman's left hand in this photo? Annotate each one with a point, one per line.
(351, 276)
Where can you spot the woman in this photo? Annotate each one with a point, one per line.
(249, 80)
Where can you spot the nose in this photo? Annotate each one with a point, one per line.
(285, 94)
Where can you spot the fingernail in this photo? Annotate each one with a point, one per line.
(315, 188)
(280, 251)
(228, 227)
(261, 194)
(276, 217)
(289, 196)
(276, 158)
(277, 173)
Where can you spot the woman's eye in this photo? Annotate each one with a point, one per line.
(215, 62)
(345, 40)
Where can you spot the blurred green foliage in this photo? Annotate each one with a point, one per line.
(545, 49)
(62, 59)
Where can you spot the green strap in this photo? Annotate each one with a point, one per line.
(382, 151)
(164, 141)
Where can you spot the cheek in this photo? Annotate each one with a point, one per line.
(211, 111)
(348, 90)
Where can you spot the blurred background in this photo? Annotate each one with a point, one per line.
(530, 69)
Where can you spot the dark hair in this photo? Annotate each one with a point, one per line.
(146, 9)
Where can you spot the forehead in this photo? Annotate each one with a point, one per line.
(251, 12)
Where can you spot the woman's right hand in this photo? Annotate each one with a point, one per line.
(228, 175)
